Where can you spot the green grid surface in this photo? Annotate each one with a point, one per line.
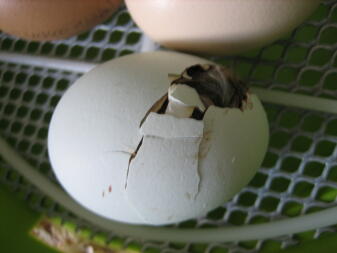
(298, 175)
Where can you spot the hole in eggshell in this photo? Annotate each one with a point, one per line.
(215, 84)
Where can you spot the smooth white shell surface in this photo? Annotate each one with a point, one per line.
(218, 26)
(177, 174)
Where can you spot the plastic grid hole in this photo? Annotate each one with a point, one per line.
(247, 199)
(326, 194)
(54, 100)
(12, 176)
(151, 250)
(313, 169)
(37, 149)
(296, 54)
(270, 160)
(270, 246)
(23, 146)
(305, 236)
(46, 48)
(28, 96)
(41, 98)
(331, 128)
(20, 78)
(6, 44)
(33, 47)
(42, 133)
(133, 38)
(99, 35)
(3, 91)
(327, 35)
(259, 219)
(307, 33)
(62, 84)
(92, 53)
(108, 54)
(218, 249)
(279, 184)
(7, 76)
(292, 208)
(330, 82)
(269, 204)
(320, 57)
(301, 144)
(237, 217)
(290, 119)
(258, 180)
(4, 124)
(286, 75)
(273, 52)
(217, 213)
(263, 73)
(177, 246)
(15, 94)
(198, 248)
(248, 245)
(16, 127)
(332, 176)
(29, 130)
(303, 189)
(312, 123)
(61, 50)
(19, 45)
(310, 78)
(279, 139)
(76, 51)
(9, 109)
(325, 148)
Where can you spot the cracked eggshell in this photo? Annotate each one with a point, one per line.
(95, 128)
(183, 168)
(163, 179)
(230, 151)
(218, 27)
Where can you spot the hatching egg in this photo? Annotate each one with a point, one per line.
(218, 26)
(156, 138)
(53, 19)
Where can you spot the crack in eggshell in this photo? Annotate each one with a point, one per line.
(156, 183)
(170, 125)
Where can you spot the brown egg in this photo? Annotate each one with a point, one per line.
(53, 19)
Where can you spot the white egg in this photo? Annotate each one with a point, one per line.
(218, 26)
(128, 164)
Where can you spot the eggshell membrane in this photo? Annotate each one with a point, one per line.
(176, 174)
(95, 128)
(218, 26)
(53, 19)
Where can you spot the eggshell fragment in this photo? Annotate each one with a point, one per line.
(53, 19)
(163, 179)
(185, 95)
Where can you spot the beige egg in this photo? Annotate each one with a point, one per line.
(53, 19)
(218, 26)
